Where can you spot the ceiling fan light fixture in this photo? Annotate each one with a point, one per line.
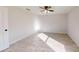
(46, 9)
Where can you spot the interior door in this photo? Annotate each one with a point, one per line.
(4, 42)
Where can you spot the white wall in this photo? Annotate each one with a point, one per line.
(73, 25)
(56, 23)
(21, 24)
(4, 42)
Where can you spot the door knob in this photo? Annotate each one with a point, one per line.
(5, 29)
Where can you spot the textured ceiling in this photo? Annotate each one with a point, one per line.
(57, 9)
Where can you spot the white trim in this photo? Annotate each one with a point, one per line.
(20, 38)
(75, 41)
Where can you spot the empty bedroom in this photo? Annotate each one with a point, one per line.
(39, 29)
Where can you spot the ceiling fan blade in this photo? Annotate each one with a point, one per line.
(51, 10)
(42, 10)
(42, 7)
(49, 7)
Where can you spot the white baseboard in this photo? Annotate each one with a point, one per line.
(53, 32)
(75, 41)
(20, 38)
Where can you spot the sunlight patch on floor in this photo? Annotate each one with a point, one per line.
(52, 43)
(55, 45)
(43, 36)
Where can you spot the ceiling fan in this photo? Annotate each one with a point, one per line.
(47, 9)
(44, 9)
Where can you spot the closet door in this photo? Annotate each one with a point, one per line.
(4, 42)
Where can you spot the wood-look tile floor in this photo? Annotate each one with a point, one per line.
(44, 42)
